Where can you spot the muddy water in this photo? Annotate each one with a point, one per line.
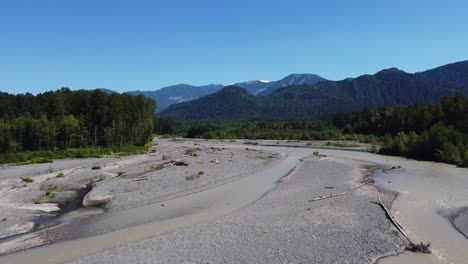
(117, 228)
(427, 192)
(426, 189)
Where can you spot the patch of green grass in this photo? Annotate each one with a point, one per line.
(38, 160)
(265, 158)
(168, 136)
(148, 146)
(60, 175)
(52, 188)
(37, 200)
(160, 166)
(201, 172)
(50, 194)
(193, 177)
(27, 179)
(47, 156)
(341, 144)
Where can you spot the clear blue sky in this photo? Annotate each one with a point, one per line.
(128, 45)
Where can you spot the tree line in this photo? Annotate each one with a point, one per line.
(65, 119)
(436, 132)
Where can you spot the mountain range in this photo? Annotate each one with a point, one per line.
(167, 96)
(306, 100)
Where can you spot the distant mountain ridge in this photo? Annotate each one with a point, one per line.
(178, 93)
(388, 87)
(174, 94)
(258, 87)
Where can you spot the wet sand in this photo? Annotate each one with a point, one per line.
(460, 221)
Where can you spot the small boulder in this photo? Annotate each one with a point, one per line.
(96, 197)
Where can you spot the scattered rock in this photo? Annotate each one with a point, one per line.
(96, 197)
(181, 163)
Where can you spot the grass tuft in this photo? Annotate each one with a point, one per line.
(27, 180)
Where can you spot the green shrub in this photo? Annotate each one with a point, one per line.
(27, 180)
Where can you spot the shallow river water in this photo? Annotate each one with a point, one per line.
(428, 191)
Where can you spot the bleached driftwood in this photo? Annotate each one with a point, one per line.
(342, 193)
(394, 221)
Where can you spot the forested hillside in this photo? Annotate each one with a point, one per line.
(431, 132)
(66, 119)
(389, 87)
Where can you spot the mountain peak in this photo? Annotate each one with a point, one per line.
(390, 72)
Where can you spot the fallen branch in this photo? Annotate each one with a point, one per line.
(140, 179)
(394, 221)
(418, 248)
(343, 193)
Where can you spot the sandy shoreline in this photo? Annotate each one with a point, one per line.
(460, 221)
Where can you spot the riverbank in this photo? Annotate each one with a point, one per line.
(226, 205)
(175, 168)
(283, 226)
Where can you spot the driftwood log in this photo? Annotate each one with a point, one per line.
(342, 193)
(420, 248)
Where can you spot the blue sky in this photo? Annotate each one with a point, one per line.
(145, 45)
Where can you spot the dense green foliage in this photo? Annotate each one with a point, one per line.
(46, 156)
(67, 119)
(431, 132)
(386, 88)
(260, 129)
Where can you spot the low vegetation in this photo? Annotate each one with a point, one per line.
(60, 175)
(195, 176)
(191, 151)
(265, 158)
(47, 156)
(340, 144)
(437, 132)
(27, 179)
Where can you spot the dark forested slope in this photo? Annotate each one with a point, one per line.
(386, 88)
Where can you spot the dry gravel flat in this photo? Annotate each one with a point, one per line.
(131, 181)
(282, 226)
